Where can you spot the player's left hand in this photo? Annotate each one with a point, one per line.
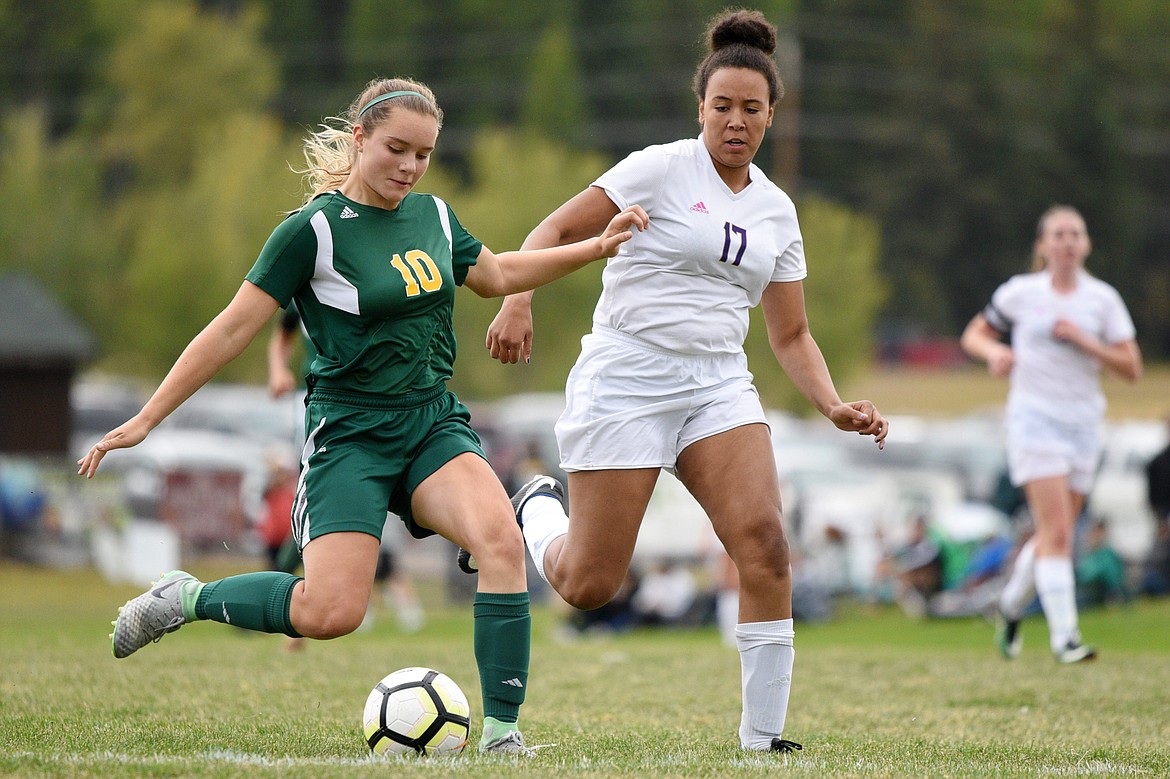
(1067, 331)
(863, 418)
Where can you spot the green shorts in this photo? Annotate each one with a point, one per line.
(365, 456)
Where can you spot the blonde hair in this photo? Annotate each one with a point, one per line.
(1038, 262)
(330, 153)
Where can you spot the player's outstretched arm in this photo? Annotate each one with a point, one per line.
(495, 275)
(509, 336)
(216, 345)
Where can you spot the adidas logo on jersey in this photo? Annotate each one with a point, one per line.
(700, 208)
(348, 213)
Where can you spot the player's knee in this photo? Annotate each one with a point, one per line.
(333, 621)
(588, 592)
(499, 546)
(761, 549)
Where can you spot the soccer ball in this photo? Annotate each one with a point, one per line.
(416, 710)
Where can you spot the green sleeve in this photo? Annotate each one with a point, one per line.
(465, 249)
(287, 260)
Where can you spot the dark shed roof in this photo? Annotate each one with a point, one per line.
(35, 329)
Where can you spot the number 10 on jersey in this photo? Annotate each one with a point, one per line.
(417, 277)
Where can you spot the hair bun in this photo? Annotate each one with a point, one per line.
(748, 28)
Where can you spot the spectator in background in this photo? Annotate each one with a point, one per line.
(665, 594)
(393, 586)
(1158, 482)
(917, 569)
(1100, 570)
(1064, 325)
(274, 526)
(1156, 572)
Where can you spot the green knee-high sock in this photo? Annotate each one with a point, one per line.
(256, 601)
(503, 636)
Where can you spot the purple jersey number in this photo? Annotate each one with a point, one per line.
(728, 229)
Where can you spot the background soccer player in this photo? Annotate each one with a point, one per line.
(1064, 325)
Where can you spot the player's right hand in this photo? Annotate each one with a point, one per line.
(509, 336)
(1000, 361)
(129, 434)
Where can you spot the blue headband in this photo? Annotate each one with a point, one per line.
(387, 96)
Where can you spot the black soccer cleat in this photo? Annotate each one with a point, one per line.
(784, 745)
(537, 485)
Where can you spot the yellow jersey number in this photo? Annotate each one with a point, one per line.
(418, 271)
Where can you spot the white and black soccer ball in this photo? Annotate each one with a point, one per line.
(416, 710)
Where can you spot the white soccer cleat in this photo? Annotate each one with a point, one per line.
(537, 485)
(151, 615)
(1076, 652)
(511, 743)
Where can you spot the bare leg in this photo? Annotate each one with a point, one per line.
(733, 476)
(464, 502)
(339, 573)
(1055, 507)
(588, 565)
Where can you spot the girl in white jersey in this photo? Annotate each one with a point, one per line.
(1064, 325)
(662, 381)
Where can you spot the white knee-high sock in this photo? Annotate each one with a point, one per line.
(1056, 585)
(1021, 584)
(543, 520)
(766, 655)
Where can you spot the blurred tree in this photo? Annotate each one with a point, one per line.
(508, 194)
(193, 245)
(206, 175)
(50, 184)
(958, 124)
(554, 102)
(177, 74)
(953, 124)
(843, 293)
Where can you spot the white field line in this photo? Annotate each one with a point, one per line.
(223, 756)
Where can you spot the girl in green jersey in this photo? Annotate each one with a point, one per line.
(371, 266)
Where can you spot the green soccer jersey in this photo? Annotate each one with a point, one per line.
(375, 289)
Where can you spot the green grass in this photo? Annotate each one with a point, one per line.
(874, 695)
(948, 392)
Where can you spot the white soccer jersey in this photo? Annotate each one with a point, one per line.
(1052, 376)
(687, 283)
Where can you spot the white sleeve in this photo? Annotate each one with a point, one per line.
(790, 265)
(636, 179)
(1118, 323)
(1001, 312)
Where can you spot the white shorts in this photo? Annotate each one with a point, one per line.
(629, 404)
(1040, 447)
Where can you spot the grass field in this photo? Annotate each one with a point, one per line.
(949, 392)
(874, 695)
